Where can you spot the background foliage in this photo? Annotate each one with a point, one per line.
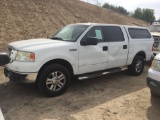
(145, 14)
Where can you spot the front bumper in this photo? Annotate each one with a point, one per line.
(20, 77)
(154, 85)
(155, 75)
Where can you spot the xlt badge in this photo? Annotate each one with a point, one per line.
(73, 49)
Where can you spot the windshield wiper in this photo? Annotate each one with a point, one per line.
(56, 38)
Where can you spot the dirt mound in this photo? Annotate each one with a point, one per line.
(25, 19)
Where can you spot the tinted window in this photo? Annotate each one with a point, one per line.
(139, 33)
(113, 34)
(95, 32)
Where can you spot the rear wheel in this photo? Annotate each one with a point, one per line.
(137, 66)
(53, 80)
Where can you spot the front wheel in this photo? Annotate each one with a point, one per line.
(137, 66)
(53, 80)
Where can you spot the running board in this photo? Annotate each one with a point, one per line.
(92, 75)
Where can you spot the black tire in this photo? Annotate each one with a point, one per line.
(133, 69)
(154, 95)
(50, 79)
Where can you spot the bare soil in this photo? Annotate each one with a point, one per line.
(117, 96)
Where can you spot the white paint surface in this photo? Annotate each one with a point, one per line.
(1, 115)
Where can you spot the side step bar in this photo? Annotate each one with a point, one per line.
(92, 75)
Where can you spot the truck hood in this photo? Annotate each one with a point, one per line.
(33, 42)
(155, 33)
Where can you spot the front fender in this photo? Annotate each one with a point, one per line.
(70, 56)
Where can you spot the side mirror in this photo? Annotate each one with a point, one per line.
(89, 41)
(4, 59)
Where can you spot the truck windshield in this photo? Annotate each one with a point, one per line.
(69, 33)
(154, 28)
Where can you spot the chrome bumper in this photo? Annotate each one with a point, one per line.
(20, 77)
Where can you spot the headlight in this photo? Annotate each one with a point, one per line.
(25, 56)
(156, 65)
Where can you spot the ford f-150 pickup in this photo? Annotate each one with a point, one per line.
(78, 51)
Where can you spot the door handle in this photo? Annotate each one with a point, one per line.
(105, 48)
(124, 46)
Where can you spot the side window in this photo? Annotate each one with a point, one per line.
(139, 33)
(113, 34)
(95, 32)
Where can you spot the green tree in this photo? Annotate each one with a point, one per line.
(148, 15)
(122, 10)
(106, 5)
(138, 13)
(115, 8)
(144, 14)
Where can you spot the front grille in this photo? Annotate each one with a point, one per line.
(156, 38)
(11, 53)
(156, 45)
(156, 42)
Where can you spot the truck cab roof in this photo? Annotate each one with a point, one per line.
(103, 24)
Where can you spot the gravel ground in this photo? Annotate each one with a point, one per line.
(117, 96)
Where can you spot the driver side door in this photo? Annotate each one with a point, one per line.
(93, 57)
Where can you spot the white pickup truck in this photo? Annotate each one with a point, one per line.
(81, 50)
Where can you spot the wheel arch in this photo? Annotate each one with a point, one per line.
(132, 68)
(63, 62)
(142, 54)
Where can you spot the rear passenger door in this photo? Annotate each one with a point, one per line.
(117, 46)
